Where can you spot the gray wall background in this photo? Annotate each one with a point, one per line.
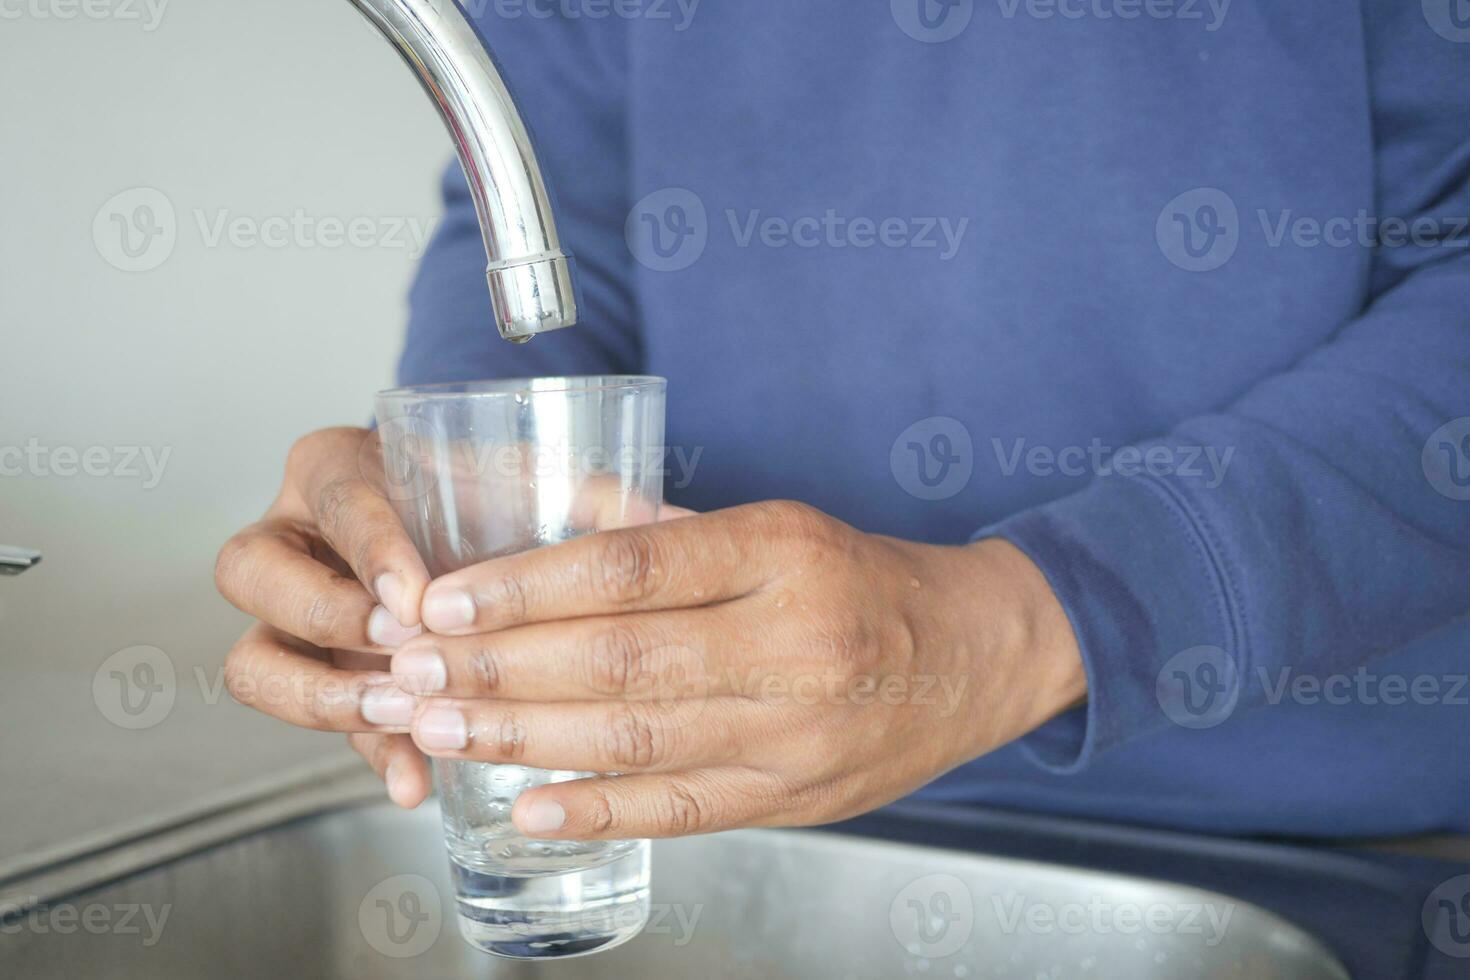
(219, 354)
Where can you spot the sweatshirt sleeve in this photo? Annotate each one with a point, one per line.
(568, 76)
(1341, 529)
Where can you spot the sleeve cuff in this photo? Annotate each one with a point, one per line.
(1141, 584)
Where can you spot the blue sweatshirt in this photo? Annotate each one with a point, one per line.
(1174, 295)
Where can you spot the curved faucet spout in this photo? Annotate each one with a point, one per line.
(530, 278)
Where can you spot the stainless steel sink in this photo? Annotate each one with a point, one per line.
(365, 893)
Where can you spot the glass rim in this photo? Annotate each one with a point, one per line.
(500, 387)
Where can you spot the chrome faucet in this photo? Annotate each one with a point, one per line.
(13, 561)
(530, 278)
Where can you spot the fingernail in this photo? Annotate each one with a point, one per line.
(448, 609)
(420, 671)
(387, 706)
(390, 775)
(442, 728)
(390, 592)
(543, 817)
(386, 631)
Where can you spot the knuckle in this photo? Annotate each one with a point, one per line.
(303, 450)
(320, 620)
(319, 708)
(483, 671)
(822, 798)
(602, 816)
(851, 646)
(625, 567)
(333, 506)
(507, 737)
(808, 535)
(508, 596)
(229, 564)
(367, 555)
(615, 660)
(681, 811)
(632, 742)
(798, 519)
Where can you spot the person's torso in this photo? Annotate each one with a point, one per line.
(925, 265)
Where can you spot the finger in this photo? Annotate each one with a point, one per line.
(266, 571)
(630, 736)
(401, 766)
(668, 512)
(338, 476)
(688, 562)
(665, 805)
(272, 673)
(641, 656)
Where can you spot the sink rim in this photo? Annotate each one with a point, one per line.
(986, 873)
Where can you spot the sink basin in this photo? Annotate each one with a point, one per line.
(365, 893)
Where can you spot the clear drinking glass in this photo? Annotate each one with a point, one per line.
(485, 469)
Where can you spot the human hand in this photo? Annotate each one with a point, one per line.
(764, 665)
(336, 584)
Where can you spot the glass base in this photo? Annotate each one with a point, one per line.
(554, 916)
